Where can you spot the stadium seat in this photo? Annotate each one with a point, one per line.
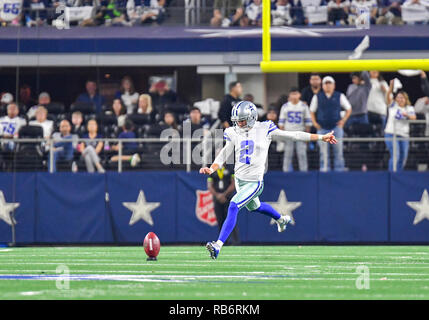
(84, 107)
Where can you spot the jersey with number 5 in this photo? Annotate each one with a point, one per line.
(251, 149)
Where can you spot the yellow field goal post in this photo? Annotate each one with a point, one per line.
(326, 65)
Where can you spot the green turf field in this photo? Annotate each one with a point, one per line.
(186, 272)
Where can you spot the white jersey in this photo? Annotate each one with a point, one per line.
(295, 117)
(398, 123)
(11, 126)
(251, 149)
(10, 9)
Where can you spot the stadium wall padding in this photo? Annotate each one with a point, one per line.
(330, 208)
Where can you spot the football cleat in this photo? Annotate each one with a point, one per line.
(213, 249)
(282, 223)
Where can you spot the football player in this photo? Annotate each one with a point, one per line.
(250, 139)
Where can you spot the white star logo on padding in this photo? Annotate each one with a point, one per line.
(141, 209)
(6, 209)
(421, 207)
(284, 207)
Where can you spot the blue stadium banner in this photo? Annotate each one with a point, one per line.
(353, 206)
(409, 207)
(70, 208)
(196, 221)
(293, 194)
(17, 192)
(140, 202)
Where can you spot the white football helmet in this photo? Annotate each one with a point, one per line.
(244, 110)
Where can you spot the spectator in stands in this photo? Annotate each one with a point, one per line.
(377, 97)
(253, 14)
(325, 111)
(315, 86)
(118, 110)
(36, 13)
(162, 95)
(92, 96)
(25, 98)
(129, 149)
(146, 11)
(297, 12)
(10, 125)
(224, 115)
(196, 121)
(42, 121)
(338, 11)
(44, 100)
(145, 106)
(63, 150)
(128, 94)
(227, 13)
(109, 12)
(295, 116)
(359, 6)
(418, 7)
(400, 111)
(13, 16)
(77, 123)
(6, 99)
(422, 104)
(91, 149)
(390, 12)
(357, 94)
(169, 121)
(281, 13)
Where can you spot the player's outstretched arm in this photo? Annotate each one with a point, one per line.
(329, 137)
(304, 136)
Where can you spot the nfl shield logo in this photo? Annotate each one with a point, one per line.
(204, 209)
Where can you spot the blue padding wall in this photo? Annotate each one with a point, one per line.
(327, 207)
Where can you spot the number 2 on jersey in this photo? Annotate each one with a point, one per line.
(246, 149)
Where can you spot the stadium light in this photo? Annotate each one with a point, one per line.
(267, 65)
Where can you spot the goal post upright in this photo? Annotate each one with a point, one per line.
(269, 66)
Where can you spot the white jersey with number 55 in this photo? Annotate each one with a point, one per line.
(10, 9)
(251, 148)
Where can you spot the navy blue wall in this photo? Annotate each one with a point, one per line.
(335, 207)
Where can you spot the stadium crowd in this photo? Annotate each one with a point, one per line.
(370, 107)
(226, 13)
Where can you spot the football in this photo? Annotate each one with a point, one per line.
(151, 245)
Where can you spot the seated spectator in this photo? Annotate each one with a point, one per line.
(253, 14)
(145, 11)
(6, 99)
(249, 97)
(11, 17)
(25, 98)
(161, 95)
(92, 96)
(44, 100)
(36, 14)
(195, 120)
(227, 13)
(91, 149)
(129, 149)
(63, 150)
(338, 11)
(390, 12)
(145, 106)
(169, 121)
(128, 94)
(281, 13)
(118, 110)
(108, 12)
(418, 9)
(359, 6)
(10, 125)
(78, 127)
(42, 121)
(297, 12)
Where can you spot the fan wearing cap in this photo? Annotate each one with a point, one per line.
(325, 111)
